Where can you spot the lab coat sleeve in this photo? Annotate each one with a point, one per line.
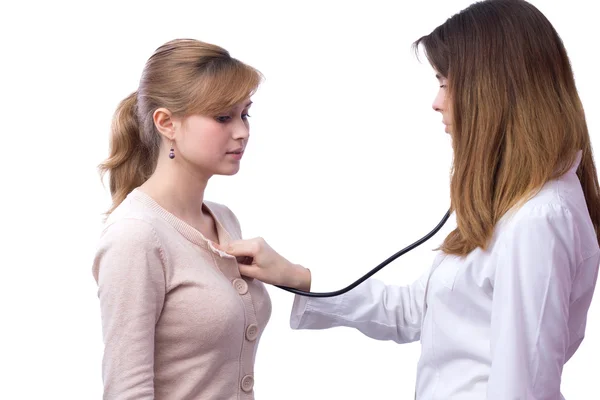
(377, 310)
(530, 308)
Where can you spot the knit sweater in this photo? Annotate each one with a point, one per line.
(178, 320)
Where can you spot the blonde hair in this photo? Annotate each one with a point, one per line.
(518, 121)
(186, 77)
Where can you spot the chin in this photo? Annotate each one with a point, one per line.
(229, 171)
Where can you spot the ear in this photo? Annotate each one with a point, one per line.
(163, 120)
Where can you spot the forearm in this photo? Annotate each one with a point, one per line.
(378, 311)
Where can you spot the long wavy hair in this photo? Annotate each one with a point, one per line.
(518, 121)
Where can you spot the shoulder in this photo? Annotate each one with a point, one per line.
(130, 223)
(126, 247)
(548, 208)
(134, 222)
(558, 212)
(543, 233)
(544, 212)
(129, 231)
(128, 238)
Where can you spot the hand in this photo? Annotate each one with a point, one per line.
(258, 260)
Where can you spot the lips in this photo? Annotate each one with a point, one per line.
(236, 154)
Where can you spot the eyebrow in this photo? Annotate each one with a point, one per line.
(439, 77)
(248, 105)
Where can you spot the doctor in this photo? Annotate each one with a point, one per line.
(504, 305)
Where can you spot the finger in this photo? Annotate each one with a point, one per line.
(243, 248)
(251, 271)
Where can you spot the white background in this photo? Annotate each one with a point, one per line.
(347, 164)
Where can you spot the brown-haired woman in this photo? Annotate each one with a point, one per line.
(505, 303)
(178, 320)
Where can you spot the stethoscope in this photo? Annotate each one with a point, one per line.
(374, 270)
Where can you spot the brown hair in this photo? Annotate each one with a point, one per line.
(185, 76)
(518, 121)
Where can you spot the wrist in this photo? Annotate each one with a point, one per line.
(300, 278)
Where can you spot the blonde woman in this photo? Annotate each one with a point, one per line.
(178, 320)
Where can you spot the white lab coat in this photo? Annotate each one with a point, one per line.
(498, 324)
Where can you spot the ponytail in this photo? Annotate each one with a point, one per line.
(130, 162)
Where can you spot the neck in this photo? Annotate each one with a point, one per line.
(178, 189)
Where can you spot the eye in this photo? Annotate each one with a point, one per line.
(443, 86)
(245, 116)
(223, 119)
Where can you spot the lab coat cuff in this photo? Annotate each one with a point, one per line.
(298, 310)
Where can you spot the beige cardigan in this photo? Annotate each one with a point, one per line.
(178, 320)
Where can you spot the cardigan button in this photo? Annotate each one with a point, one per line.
(247, 383)
(252, 332)
(240, 285)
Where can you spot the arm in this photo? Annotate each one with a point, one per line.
(131, 287)
(379, 311)
(530, 309)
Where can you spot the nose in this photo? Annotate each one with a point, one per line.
(241, 130)
(438, 102)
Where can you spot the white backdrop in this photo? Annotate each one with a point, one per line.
(347, 163)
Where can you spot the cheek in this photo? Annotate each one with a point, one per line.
(446, 106)
(204, 146)
(448, 112)
(443, 98)
(209, 148)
